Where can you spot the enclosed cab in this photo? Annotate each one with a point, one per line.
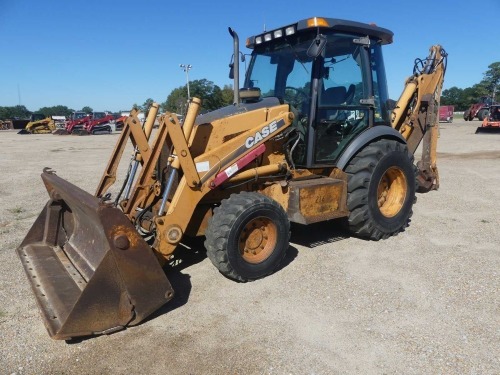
(337, 94)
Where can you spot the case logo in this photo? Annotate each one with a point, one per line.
(261, 134)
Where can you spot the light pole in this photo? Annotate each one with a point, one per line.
(186, 68)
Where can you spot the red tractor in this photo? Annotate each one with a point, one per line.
(120, 121)
(76, 122)
(479, 110)
(99, 123)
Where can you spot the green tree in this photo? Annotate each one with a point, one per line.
(227, 94)
(147, 105)
(463, 98)
(175, 101)
(451, 96)
(87, 109)
(491, 79)
(210, 94)
(57, 110)
(18, 111)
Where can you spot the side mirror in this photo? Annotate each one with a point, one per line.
(231, 71)
(317, 46)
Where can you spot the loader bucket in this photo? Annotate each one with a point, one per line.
(488, 129)
(90, 270)
(23, 131)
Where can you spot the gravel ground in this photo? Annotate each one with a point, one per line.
(423, 302)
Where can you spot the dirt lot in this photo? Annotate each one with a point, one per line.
(424, 302)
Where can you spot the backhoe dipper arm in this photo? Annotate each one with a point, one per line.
(416, 114)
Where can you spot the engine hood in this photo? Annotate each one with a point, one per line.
(236, 109)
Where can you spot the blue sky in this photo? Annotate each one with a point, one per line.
(112, 54)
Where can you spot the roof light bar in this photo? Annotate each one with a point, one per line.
(290, 30)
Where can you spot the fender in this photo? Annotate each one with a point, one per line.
(368, 136)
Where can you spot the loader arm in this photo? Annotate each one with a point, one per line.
(222, 160)
(173, 209)
(416, 114)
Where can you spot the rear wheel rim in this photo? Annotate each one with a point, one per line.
(258, 239)
(392, 191)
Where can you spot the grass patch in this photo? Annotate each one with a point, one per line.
(16, 210)
(484, 221)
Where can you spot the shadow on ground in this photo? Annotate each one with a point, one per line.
(318, 234)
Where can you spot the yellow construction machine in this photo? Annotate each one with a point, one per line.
(311, 136)
(39, 124)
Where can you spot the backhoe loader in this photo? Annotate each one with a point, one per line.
(311, 136)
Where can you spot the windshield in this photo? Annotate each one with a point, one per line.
(79, 115)
(98, 115)
(282, 69)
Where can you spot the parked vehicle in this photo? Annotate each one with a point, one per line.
(446, 113)
(491, 124)
(99, 123)
(39, 124)
(480, 109)
(75, 123)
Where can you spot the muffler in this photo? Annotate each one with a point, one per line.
(90, 270)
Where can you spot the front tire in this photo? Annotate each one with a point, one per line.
(248, 236)
(381, 190)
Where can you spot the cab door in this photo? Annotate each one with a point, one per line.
(343, 107)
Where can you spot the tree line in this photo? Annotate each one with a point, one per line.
(463, 98)
(214, 97)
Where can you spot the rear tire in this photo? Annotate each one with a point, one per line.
(248, 236)
(466, 115)
(381, 190)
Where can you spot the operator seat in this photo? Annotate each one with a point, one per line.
(331, 120)
(349, 96)
(333, 96)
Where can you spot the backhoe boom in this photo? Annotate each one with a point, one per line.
(416, 114)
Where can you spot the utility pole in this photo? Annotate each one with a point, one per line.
(186, 68)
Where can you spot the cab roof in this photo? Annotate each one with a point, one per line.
(363, 29)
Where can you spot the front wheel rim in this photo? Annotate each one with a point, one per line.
(258, 239)
(392, 191)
